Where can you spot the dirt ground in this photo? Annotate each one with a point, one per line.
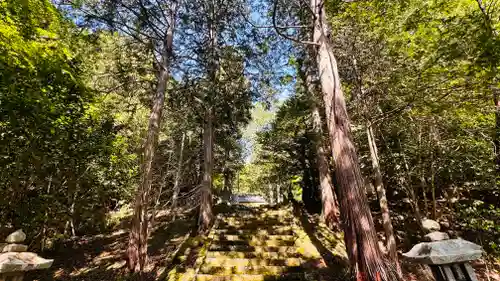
(102, 257)
(332, 247)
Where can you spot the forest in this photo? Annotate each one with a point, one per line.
(129, 129)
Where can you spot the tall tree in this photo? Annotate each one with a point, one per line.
(360, 236)
(382, 198)
(366, 107)
(139, 234)
(152, 25)
(330, 210)
(206, 213)
(219, 51)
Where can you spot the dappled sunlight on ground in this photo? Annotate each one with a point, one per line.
(102, 257)
(247, 242)
(256, 242)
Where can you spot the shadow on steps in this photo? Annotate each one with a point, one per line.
(337, 266)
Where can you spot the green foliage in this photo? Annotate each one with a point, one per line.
(424, 77)
(60, 154)
(479, 221)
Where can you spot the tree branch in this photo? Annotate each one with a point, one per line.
(271, 26)
(276, 27)
(310, 9)
(162, 11)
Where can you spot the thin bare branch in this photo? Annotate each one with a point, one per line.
(280, 33)
(255, 25)
(309, 8)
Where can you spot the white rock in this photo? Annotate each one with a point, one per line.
(430, 225)
(17, 236)
(436, 236)
(445, 224)
(16, 262)
(14, 248)
(444, 252)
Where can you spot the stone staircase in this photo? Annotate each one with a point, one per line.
(257, 243)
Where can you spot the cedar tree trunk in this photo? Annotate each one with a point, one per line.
(330, 209)
(364, 253)
(139, 232)
(178, 174)
(206, 214)
(384, 206)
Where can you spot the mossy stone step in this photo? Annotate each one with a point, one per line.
(256, 225)
(243, 277)
(248, 248)
(274, 243)
(257, 277)
(255, 236)
(260, 255)
(259, 218)
(261, 231)
(260, 214)
(250, 269)
(281, 219)
(264, 244)
(230, 261)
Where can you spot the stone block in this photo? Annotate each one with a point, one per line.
(13, 248)
(444, 252)
(436, 236)
(430, 225)
(18, 262)
(17, 236)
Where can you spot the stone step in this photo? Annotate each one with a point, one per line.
(251, 269)
(257, 277)
(292, 253)
(243, 277)
(254, 224)
(258, 225)
(261, 231)
(256, 236)
(249, 248)
(277, 218)
(229, 261)
(274, 243)
(272, 218)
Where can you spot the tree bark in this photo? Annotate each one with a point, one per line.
(330, 209)
(496, 140)
(139, 232)
(423, 183)
(384, 206)
(359, 232)
(410, 190)
(178, 174)
(206, 214)
(228, 176)
(433, 188)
